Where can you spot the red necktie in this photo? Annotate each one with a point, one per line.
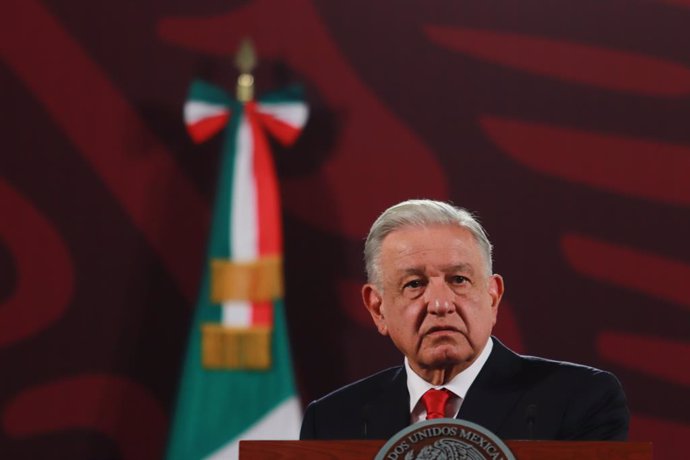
(435, 403)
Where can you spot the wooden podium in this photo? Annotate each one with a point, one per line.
(367, 450)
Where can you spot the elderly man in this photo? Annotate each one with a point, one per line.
(432, 290)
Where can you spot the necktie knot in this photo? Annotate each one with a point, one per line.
(435, 403)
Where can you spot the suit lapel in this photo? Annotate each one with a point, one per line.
(495, 392)
(489, 401)
(388, 410)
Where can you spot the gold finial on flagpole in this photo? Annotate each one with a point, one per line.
(245, 61)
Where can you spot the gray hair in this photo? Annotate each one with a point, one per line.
(420, 213)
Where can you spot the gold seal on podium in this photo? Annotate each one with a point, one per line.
(445, 438)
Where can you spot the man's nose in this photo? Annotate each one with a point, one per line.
(439, 297)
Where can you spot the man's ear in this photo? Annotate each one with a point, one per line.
(373, 300)
(496, 289)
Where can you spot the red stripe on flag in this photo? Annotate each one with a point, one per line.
(207, 127)
(284, 132)
(262, 313)
(267, 194)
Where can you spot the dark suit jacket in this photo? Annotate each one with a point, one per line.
(514, 396)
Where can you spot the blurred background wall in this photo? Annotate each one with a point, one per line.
(563, 124)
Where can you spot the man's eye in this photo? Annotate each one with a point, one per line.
(458, 279)
(414, 284)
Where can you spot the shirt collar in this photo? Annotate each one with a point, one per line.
(459, 385)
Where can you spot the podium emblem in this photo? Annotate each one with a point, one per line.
(445, 439)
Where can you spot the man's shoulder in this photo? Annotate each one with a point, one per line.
(364, 389)
(552, 365)
(572, 401)
(563, 369)
(538, 372)
(529, 363)
(375, 407)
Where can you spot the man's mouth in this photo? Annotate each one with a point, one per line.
(441, 329)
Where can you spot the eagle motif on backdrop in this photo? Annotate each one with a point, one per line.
(446, 449)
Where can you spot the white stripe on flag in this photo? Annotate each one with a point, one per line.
(283, 422)
(197, 110)
(236, 313)
(243, 218)
(293, 113)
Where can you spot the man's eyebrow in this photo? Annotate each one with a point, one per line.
(467, 268)
(462, 267)
(411, 271)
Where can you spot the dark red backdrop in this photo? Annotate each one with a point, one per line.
(563, 124)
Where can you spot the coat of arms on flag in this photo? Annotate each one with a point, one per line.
(237, 379)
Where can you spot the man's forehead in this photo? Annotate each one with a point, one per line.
(446, 247)
(436, 237)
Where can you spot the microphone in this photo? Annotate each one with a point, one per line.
(531, 416)
(365, 421)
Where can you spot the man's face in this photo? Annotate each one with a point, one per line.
(436, 300)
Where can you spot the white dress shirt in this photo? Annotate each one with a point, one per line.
(459, 385)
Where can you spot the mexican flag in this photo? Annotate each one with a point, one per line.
(237, 380)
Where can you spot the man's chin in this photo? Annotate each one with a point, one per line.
(448, 355)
